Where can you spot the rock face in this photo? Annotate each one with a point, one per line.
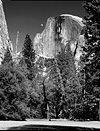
(58, 33)
(4, 36)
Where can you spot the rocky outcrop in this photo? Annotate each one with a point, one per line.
(44, 43)
(58, 32)
(4, 36)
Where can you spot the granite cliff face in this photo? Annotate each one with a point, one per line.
(58, 33)
(4, 36)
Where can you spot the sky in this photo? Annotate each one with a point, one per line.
(27, 16)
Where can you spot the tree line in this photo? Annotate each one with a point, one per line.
(51, 88)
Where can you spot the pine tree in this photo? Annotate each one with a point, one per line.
(7, 56)
(29, 56)
(91, 55)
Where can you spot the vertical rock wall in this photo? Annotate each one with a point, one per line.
(4, 36)
(58, 32)
(44, 43)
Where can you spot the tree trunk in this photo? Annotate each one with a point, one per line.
(45, 102)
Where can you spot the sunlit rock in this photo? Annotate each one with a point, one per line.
(4, 36)
(58, 32)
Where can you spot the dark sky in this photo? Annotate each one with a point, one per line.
(27, 16)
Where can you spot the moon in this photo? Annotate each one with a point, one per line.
(41, 24)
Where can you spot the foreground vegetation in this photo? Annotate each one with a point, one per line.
(27, 91)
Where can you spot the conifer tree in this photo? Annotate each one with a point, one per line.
(29, 56)
(91, 55)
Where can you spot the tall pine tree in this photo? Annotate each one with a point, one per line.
(29, 56)
(91, 55)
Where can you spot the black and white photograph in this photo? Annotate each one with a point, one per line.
(50, 65)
